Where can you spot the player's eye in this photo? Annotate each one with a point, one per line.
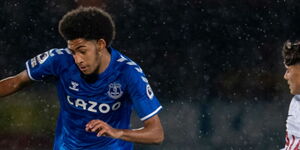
(82, 51)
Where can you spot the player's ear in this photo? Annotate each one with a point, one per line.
(101, 44)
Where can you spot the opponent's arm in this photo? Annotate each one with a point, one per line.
(151, 133)
(13, 84)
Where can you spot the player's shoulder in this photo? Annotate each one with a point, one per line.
(126, 65)
(59, 52)
(52, 54)
(62, 55)
(296, 98)
(56, 56)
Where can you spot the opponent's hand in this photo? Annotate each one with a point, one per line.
(103, 129)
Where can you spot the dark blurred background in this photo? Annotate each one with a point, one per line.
(215, 65)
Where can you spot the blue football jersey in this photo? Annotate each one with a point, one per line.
(110, 98)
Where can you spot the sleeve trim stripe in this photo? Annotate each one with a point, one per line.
(150, 115)
(28, 72)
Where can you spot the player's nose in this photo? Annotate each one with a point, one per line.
(77, 59)
(285, 75)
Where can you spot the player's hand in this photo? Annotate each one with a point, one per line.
(103, 129)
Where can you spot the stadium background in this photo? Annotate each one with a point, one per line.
(214, 64)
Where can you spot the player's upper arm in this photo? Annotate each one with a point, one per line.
(144, 101)
(154, 125)
(23, 78)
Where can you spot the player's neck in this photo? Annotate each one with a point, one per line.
(105, 60)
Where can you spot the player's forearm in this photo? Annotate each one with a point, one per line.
(13, 84)
(151, 133)
(8, 86)
(143, 135)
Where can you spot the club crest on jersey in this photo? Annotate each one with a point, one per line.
(115, 90)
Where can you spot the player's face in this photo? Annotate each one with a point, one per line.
(292, 75)
(86, 54)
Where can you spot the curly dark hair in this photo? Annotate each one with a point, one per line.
(291, 53)
(90, 23)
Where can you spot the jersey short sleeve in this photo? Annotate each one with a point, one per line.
(144, 102)
(46, 64)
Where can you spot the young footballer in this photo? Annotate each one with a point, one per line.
(291, 56)
(97, 87)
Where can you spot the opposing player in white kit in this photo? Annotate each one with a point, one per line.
(291, 56)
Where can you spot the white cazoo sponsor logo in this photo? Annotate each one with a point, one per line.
(93, 106)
